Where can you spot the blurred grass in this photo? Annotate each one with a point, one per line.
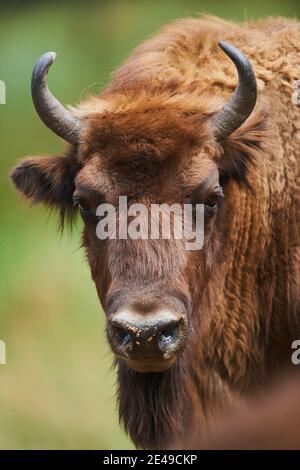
(57, 390)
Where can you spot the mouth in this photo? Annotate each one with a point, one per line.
(147, 365)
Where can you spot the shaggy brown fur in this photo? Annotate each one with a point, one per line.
(148, 136)
(269, 420)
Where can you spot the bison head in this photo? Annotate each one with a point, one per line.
(153, 147)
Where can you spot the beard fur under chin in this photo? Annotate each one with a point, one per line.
(151, 405)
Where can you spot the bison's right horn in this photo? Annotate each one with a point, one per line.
(232, 115)
(58, 118)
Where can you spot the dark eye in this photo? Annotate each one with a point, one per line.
(212, 202)
(83, 205)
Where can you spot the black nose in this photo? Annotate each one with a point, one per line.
(157, 336)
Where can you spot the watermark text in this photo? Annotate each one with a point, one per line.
(156, 221)
(2, 92)
(2, 353)
(296, 353)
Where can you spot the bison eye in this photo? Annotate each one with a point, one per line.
(83, 205)
(212, 202)
(84, 210)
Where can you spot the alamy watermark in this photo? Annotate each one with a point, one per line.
(296, 93)
(2, 343)
(2, 353)
(296, 354)
(2, 92)
(159, 221)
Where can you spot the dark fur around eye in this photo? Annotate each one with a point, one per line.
(85, 208)
(215, 198)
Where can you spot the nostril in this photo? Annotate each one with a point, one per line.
(167, 335)
(122, 336)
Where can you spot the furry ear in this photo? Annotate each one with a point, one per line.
(242, 149)
(49, 180)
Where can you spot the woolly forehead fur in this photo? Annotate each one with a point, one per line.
(142, 150)
(157, 133)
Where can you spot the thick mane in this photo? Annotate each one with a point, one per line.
(182, 63)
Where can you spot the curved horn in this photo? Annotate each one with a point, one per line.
(58, 118)
(232, 115)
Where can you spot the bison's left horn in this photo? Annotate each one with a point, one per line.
(232, 115)
(58, 118)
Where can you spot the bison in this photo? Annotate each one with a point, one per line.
(206, 112)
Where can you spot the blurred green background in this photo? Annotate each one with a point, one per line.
(57, 389)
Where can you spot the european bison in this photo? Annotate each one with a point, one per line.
(185, 120)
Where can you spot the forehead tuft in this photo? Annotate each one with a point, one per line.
(157, 134)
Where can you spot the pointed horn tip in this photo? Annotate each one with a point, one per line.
(235, 54)
(53, 55)
(228, 48)
(42, 66)
(221, 44)
(50, 57)
(46, 60)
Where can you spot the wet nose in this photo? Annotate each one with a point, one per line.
(155, 336)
